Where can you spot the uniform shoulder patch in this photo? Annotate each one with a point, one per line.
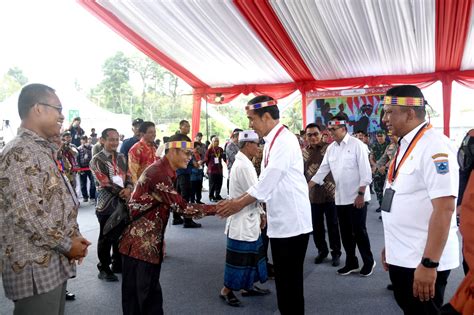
(440, 155)
(442, 166)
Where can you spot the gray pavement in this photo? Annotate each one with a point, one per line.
(192, 275)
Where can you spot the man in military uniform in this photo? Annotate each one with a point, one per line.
(376, 151)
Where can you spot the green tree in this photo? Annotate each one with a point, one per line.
(114, 92)
(18, 75)
(11, 82)
(292, 117)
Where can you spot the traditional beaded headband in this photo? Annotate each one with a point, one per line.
(179, 145)
(260, 105)
(336, 122)
(403, 101)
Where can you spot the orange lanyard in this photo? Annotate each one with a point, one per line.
(271, 145)
(393, 169)
(114, 164)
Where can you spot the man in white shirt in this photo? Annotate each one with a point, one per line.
(421, 245)
(282, 186)
(347, 159)
(246, 257)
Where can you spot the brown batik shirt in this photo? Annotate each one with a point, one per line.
(38, 214)
(312, 160)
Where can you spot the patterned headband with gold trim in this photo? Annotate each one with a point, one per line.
(336, 122)
(403, 101)
(261, 105)
(179, 145)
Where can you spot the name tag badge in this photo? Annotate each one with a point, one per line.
(387, 200)
(117, 180)
(216, 160)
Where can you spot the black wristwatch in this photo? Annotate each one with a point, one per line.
(428, 263)
(361, 193)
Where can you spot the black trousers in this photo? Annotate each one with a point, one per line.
(354, 232)
(104, 245)
(196, 191)
(318, 212)
(83, 176)
(141, 289)
(288, 258)
(215, 185)
(402, 280)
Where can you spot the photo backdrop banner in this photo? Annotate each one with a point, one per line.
(362, 108)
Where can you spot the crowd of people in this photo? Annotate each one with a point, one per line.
(281, 188)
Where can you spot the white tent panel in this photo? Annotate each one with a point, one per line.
(211, 39)
(344, 39)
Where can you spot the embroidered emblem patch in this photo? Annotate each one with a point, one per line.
(442, 167)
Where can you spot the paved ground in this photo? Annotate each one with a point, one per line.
(192, 276)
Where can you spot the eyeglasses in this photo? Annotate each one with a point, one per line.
(311, 134)
(334, 129)
(58, 108)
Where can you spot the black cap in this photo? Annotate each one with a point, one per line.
(199, 134)
(380, 133)
(137, 122)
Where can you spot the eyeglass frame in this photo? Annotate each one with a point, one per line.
(58, 108)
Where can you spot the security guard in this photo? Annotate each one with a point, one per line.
(376, 151)
(421, 245)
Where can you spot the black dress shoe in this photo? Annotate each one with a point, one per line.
(230, 299)
(178, 221)
(270, 271)
(70, 296)
(378, 210)
(320, 258)
(116, 268)
(255, 291)
(336, 261)
(219, 198)
(390, 287)
(192, 224)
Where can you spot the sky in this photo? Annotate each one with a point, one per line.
(56, 42)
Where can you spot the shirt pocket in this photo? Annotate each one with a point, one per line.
(349, 160)
(406, 179)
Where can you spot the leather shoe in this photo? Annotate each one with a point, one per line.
(230, 299)
(390, 287)
(192, 224)
(178, 221)
(336, 261)
(255, 291)
(320, 258)
(70, 296)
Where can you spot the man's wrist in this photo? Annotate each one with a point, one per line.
(360, 193)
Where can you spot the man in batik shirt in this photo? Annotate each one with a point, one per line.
(142, 154)
(322, 199)
(152, 200)
(114, 185)
(39, 234)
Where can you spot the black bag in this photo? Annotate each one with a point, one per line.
(118, 220)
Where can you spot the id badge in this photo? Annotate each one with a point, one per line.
(216, 160)
(117, 180)
(387, 200)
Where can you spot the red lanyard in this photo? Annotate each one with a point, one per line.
(114, 164)
(393, 169)
(271, 145)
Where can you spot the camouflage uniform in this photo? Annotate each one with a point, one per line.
(377, 150)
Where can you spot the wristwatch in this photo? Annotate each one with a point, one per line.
(361, 193)
(428, 263)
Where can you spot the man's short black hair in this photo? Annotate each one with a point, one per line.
(197, 144)
(84, 137)
(137, 122)
(76, 119)
(145, 125)
(182, 122)
(312, 125)
(31, 95)
(409, 91)
(272, 110)
(105, 132)
(177, 137)
(199, 134)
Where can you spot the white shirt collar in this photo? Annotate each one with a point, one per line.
(272, 133)
(409, 136)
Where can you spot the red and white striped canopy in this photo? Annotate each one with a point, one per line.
(279, 46)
